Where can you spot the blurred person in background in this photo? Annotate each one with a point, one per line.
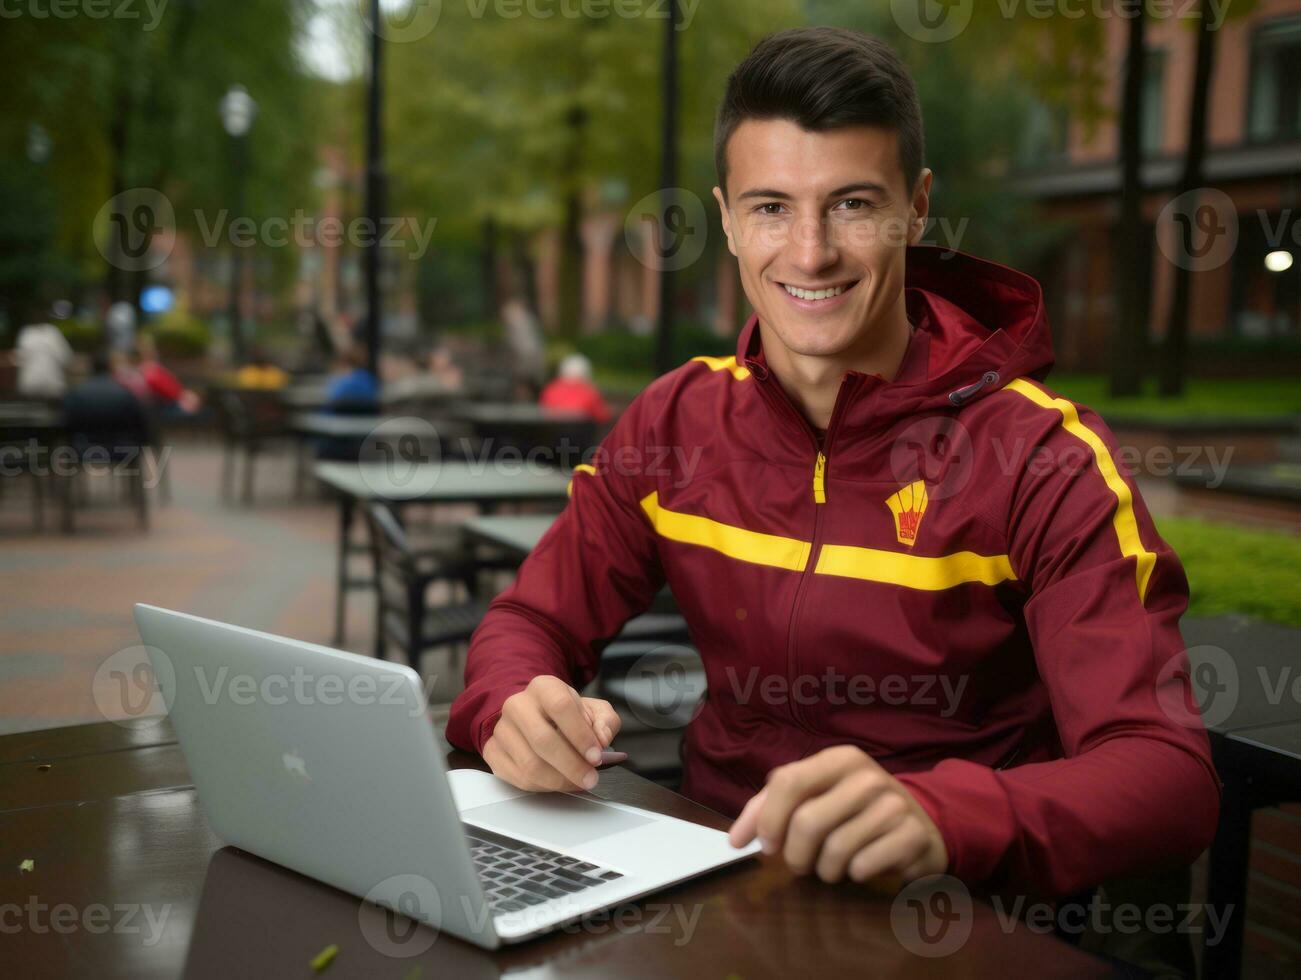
(163, 388)
(102, 411)
(573, 390)
(259, 371)
(352, 388)
(120, 325)
(524, 340)
(43, 356)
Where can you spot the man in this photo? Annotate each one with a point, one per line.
(939, 628)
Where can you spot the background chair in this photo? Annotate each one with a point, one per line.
(405, 570)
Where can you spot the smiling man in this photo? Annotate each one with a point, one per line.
(939, 629)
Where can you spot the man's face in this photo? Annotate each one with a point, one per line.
(819, 223)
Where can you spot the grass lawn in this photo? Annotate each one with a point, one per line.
(1235, 397)
(1238, 570)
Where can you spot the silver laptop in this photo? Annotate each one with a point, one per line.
(325, 762)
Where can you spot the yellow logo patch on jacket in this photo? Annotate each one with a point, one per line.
(908, 504)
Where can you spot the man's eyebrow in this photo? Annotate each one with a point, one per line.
(860, 186)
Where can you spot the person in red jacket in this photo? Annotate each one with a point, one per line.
(572, 390)
(939, 629)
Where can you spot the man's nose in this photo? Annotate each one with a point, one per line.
(810, 249)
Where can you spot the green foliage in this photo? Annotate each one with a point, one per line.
(180, 334)
(131, 101)
(83, 334)
(1232, 569)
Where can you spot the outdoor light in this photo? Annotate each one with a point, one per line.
(238, 110)
(38, 143)
(1280, 260)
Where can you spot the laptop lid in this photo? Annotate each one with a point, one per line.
(322, 761)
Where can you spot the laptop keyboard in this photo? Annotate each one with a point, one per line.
(516, 875)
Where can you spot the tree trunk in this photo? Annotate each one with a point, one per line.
(488, 269)
(570, 274)
(1174, 359)
(1129, 323)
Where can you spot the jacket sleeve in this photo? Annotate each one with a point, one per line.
(1135, 789)
(596, 567)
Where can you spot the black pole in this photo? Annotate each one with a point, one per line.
(374, 188)
(238, 146)
(668, 180)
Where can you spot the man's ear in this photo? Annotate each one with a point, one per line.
(726, 215)
(921, 206)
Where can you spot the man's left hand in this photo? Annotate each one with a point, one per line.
(839, 813)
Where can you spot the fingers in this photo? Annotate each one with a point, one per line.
(605, 721)
(747, 822)
(895, 850)
(882, 814)
(817, 821)
(546, 739)
(552, 744)
(514, 760)
(790, 785)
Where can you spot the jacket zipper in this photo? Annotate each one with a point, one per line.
(819, 478)
(843, 396)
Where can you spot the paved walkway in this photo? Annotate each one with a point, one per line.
(67, 600)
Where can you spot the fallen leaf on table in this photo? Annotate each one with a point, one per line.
(27, 865)
(326, 956)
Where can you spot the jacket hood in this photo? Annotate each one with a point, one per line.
(978, 325)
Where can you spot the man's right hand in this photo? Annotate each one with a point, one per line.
(549, 738)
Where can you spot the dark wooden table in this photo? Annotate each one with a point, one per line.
(127, 880)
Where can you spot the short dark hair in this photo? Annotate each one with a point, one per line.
(824, 78)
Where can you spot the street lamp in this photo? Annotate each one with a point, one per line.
(237, 110)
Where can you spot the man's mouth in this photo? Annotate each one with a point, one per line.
(817, 294)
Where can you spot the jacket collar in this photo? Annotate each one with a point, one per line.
(977, 325)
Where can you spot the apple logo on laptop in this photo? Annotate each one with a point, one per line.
(295, 765)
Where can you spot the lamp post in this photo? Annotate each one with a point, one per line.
(668, 180)
(238, 111)
(374, 186)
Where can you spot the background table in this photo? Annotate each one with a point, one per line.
(485, 485)
(109, 818)
(517, 533)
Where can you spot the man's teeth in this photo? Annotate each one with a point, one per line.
(814, 293)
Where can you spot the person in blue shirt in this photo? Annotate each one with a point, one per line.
(353, 389)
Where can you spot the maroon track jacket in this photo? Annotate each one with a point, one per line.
(958, 579)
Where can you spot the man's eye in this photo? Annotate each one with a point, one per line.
(853, 204)
(770, 208)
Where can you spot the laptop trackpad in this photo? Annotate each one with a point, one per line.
(556, 818)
